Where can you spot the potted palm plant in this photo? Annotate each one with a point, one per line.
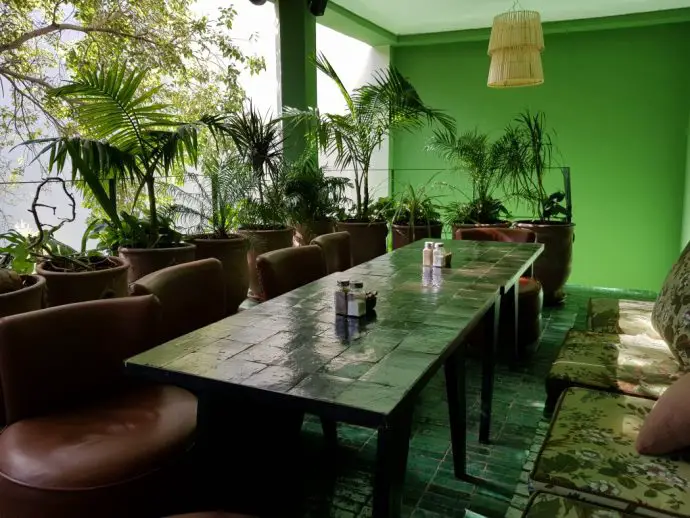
(207, 213)
(473, 154)
(527, 160)
(412, 213)
(388, 103)
(260, 207)
(129, 138)
(314, 200)
(69, 276)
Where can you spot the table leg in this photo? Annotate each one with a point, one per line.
(509, 322)
(391, 463)
(457, 408)
(488, 365)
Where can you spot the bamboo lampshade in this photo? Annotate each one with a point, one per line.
(515, 47)
(518, 66)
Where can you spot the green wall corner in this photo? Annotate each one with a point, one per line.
(619, 102)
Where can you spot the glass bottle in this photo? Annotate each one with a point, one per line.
(428, 254)
(341, 297)
(439, 255)
(356, 300)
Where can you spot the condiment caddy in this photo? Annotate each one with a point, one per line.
(352, 301)
(435, 255)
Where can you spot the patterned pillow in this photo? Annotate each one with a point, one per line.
(671, 314)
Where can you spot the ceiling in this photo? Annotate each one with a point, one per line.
(420, 16)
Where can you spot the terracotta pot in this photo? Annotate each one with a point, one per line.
(30, 298)
(406, 234)
(368, 239)
(553, 267)
(305, 232)
(69, 287)
(232, 253)
(502, 224)
(146, 260)
(260, 242)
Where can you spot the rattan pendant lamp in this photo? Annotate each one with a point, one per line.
(515, 47)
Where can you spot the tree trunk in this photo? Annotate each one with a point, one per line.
(153, 212)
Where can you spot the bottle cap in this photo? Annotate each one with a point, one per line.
(343, 283)
(429, 244)
(358, 284)
(438, 245)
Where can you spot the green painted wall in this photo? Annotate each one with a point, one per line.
(618, 100)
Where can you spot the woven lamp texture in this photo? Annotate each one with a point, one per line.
(516, 29)
(515, 47)
(515, 67)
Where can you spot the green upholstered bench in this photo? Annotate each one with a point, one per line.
(545, 505)
(631, 364)
(628, 317)
(589, 455)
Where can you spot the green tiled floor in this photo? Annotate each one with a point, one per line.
(340, 484)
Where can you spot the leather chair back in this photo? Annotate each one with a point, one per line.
(58, 357)
(286, 269)
(192, 296)
(336, 251)
(506, 235)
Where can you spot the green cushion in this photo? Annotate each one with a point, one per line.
(544, 505)
(630, 317)
(589, 454)
(631, 364)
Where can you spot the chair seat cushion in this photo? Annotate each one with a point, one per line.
(629, 317)
(544, 505)
(113, 441)
(589, 455)
(529, 287)
(631, 364)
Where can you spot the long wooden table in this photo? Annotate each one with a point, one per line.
(294, 352)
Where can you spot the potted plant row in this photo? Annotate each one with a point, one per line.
(387, 103)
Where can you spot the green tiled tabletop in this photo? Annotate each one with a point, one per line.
(295, 346)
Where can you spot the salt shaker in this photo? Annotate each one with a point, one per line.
(428, 254)
(439, 255)
(341, 297)
(356, 300)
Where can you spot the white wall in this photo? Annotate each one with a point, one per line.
(354, 61)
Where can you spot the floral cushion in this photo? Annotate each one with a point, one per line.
(671, 315)
(544, 505)
(589, 454)
(632, 364)
(629, 317)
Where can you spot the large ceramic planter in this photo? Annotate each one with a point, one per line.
(70, 287)
(466, 226)
(28, 298)
(148, 260)
(553, 267)
(406, 234)
(260, 242)
(367, 239)
(305, 232)
(232, 253)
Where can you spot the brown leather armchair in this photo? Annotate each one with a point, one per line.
(287, 269)
(336, 250)
(82, 439)
(192, 296)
